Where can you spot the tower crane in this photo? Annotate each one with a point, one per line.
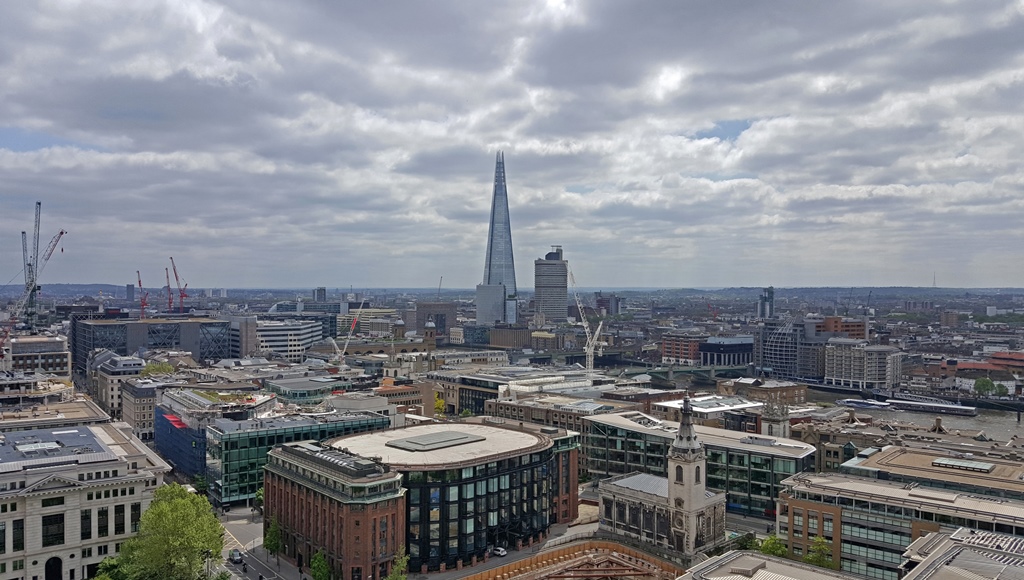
(181, 290)
(351, 330)
(592, 338)
(170, 297)
(143, 295)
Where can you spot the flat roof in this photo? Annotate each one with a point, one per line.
(642, 482)
(834, 485)
(976, 469)
(289, 421)
(81, 445)
(640, 422)
(484, 443)
(18, 417)
(307, 383)
(750, 565)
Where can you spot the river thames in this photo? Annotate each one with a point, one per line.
(998, 425)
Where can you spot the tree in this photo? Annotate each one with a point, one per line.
(318, 567)
(272, 538)
(820, 553)
(984, 386)
(157, 368)
(111, 569)
(466, 413)
(399, 566)
(202, 486)
(1002, 390)
(438, 404)
(175, 534)
(774, 546)
(258, 500)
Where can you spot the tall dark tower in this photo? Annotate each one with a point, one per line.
(499, 267)
(496, 296)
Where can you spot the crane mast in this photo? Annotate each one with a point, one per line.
(143, 295)
(181, 291)
(170, 297)
(588, 347)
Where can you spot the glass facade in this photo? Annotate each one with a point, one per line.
(236, 451)
(455, 514)
(751, 479)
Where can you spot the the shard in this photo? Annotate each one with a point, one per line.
(496, 295)
(499, 267)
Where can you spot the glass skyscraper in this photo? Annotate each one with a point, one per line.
(495, 295)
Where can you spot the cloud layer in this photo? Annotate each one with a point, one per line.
(661, 144)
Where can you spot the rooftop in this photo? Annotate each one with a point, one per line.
(830, 486)
(290, 421)
(443, 445)
(748, 565)
(966, 553)
(991, 466)
(640, 422)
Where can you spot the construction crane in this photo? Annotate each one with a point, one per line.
(713, 311)
(591, 342)
(170, 297)
(181, 290)
(143, 295)
(352, 329)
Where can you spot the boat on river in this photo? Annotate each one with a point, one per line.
(863, 404)
(943, 408)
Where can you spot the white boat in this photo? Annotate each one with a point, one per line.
(943, 408)
(863, 403)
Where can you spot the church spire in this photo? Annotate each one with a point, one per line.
(686, 437)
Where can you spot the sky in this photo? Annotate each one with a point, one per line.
(662, 144)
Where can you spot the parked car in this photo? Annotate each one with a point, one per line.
(500, 552)
(235, 556)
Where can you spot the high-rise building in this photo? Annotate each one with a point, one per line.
(496, 295)
(129, 292)
(320, 294)
(766, 303)
(551, 285)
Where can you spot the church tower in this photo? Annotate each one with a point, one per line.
(698, 516)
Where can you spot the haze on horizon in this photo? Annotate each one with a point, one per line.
(267, 144)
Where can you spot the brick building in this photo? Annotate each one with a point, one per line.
(682, 348)
(324, 499)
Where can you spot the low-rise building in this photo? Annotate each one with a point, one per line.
(308, 391)
(41, 354)
(78, 412)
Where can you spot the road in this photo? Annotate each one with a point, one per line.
(244, 531)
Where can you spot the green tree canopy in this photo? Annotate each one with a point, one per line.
(820, 553)
(272, 537)
(258, 500)
(774, 546)
(984, 386)
(1002, 390)
(318, 567)
(438, 403)
(399, 566)
(157, 368)
(176, 535)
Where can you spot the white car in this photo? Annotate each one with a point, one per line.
(500, 552)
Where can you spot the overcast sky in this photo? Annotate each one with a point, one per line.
(291, 144)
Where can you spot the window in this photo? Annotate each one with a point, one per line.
(136, 513)
(697, 476)
(119, 519)
(3, 537)
(18, 536)
(53, 501)
(86, 524)
(18, 565)
(102, 550)
(53, 530)
(679, 473)
(87, 552)
(103, 522)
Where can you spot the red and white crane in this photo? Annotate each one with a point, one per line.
(143, 295)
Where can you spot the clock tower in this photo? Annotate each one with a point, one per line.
(698, 516)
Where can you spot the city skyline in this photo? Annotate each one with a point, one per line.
(662, 146)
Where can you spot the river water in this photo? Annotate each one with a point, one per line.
(999, 425)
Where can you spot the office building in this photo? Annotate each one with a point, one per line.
(856, 363)
(496, 295)
(308, 391)
(40, 354)
(726, 351)
(138, 406)
(749, 468)
(682, 348)
(236, 450)
(79, 412)
(320, 294)
(206, 338)
(965, 553)
(129, 292)
(288, 338)
(476, 485)
(795, 348)
(766, 303)
(70, 497)
(351, 508)
(110, 376)
(551, 286)
(607, 304)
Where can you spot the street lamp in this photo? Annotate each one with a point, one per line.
(206, 565)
